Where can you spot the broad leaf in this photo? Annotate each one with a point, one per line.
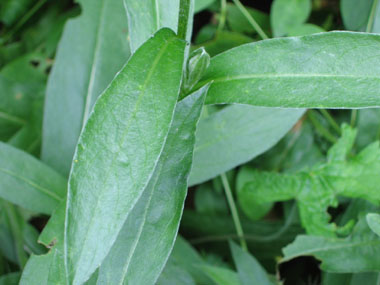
(157, 214)
(327, 70)
(249, 270)
(236, 135)
(287, 14)
(118, 151)
(92, 49)
(317, 189)
(28, 182)
(357, 253)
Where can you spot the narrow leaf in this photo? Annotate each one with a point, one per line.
(327, 70)
(118, 151)
(157, 214)
(92, 49)
(28, 182)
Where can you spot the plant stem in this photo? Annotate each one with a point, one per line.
(23, 20)
(223, 15)
(183, 19)
(331, 120)
(354, 117)
(320, 128)
(251, 20)
(235, 215)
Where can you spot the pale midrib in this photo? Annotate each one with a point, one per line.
(31, 183)
(287, 75)
(142, 93)
(12, 118)
(157, 15)
(90, 87)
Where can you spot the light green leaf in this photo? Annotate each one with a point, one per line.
(249, 269)
(373, 221)
(155, 15)
(327, 70)
(28, 182)
(287, 14)
(221, 276)
(118, 151)
(93, 48)
(357, 253)
(317, 189)
(197, 63)
(368, 126)
(157, 214)
(174, 275)
(304, 30)
(355, 14)
(235, 135)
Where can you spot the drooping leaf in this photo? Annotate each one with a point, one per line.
(373, 221)
(92, 49)
(28, 182)
(357, 253)
(249, 269)
(317, 189)
(157, 214)
(287, 14)
(327, 70)
(118, 151)
(236, 135)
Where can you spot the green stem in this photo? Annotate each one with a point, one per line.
(320, 128)
(183, 19)
(235, 215)
(24, 19)
(371, 18)
(251, 20)
(354, 117)
(223, 16)
(331, 120)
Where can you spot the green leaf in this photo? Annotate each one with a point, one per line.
(200, 5)
(317, 189)
(157, 214)
(287, 14)
(373, 221)
(368, 126)
(355, 14)
(235, 135)
(93, 48)
(174, 275)
(221, 276)
(327, 70)
(304, 30)
(119, 149)
(28, 182)
(197, 63)
(161, 13)
(249, 270)
(357, 253)
(10, 278)
(11, 11)
(238, 23)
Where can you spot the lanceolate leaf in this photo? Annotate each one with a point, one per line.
(236, 135)
(118, 151)
(28, 182)
(154, 14)
(327, 70)
(148, 234)
(92, 49)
